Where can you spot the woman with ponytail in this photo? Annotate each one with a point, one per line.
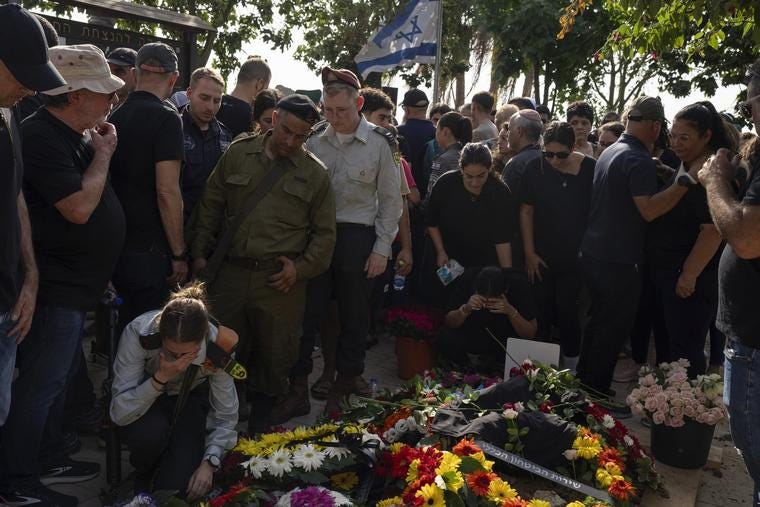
(683, 246)
(172, 396)
(453, 132)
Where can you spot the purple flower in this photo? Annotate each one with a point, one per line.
(473, 379)
(312, 497)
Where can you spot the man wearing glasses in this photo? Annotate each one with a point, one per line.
(623, 200)
(78, 227)
(737, 217)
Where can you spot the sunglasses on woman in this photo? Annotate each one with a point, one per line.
(562, 155)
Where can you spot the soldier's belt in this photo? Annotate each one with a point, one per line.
(256, 264)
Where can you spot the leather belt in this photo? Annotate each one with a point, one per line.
(254, 264)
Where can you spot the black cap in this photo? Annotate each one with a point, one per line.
(415, 98)
(156, 57)
(122, 57)
(24, 50)
(301, 106)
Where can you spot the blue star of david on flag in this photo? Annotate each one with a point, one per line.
(411, 37)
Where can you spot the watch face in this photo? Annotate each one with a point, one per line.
(214, 461)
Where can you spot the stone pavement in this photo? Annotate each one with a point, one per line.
(726, 486)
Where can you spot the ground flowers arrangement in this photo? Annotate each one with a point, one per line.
(416, 446)
(318, 466)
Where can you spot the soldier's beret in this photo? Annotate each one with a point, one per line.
(301, 106)
(343, 76)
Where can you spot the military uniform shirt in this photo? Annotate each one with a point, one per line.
(365, 179)
(295, 218)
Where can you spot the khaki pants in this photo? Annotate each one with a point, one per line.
(268, 323)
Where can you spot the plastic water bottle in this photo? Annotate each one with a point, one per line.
(399, 282)
(373, 389)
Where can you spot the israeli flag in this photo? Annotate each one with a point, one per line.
(409, 38)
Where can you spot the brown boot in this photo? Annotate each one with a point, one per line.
(341, 390)
(294, 404)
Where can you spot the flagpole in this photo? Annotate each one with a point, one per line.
(438, 44)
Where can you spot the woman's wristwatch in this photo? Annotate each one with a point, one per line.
(213, 460)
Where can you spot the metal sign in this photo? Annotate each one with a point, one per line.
(529, 466)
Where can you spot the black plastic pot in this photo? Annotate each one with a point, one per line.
(684, 447)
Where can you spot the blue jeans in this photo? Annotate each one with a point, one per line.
(742, 398)
(7, 364)
(47, 359)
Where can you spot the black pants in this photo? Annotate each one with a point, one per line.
(172, 461)
(455, 344)
(687, 320)
(348, 282)
(140, 281)
(649, 321)
(614, 290)
(558, 298)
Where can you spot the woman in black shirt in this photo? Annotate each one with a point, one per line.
(683, 246)
(555, 197)
(452, 132)
(467, 214)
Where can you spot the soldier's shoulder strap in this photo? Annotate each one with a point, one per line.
(318, 128)
(219, 353)
(389, 136)
(150, 341)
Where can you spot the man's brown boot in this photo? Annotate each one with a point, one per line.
(294, 404)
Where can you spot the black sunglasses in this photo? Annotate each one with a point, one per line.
(562, 155)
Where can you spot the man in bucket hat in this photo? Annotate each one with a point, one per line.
(78, 228)
(24, 69)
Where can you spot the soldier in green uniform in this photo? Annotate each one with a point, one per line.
(287, 238)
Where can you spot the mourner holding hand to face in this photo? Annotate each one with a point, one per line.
(173, 395)
(488, 306)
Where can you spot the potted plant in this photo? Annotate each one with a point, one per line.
(414, 328)
(683, 412)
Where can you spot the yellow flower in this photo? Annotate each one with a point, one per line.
(575, 504)
(396, 501)
(449, 463)
(487, 465)
(411, 474)
(612, 468)
(588, 446)
(603, 478)
(345, 480)
(268, 443)
(539, 503)
(394, 448)
(499, 491)
(453, 480)
(431, 496)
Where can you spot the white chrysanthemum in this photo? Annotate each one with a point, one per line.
(608, 421)
(308, 457)
(279, 463)
(402, 426)
(255, 466)
(628, 441)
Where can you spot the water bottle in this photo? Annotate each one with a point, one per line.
(373, 389)
(399, 282)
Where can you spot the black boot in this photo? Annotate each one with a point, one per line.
(294, 404)
(261, 409)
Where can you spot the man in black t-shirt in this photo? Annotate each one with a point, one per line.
(489, 301)
(624, 198)
(236, 111)
(737, 217)
(145, 171)
(78, 230)
(24, 69)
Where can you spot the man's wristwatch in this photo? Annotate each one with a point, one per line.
(213, 460)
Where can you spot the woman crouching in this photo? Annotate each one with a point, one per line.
(172, 397)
